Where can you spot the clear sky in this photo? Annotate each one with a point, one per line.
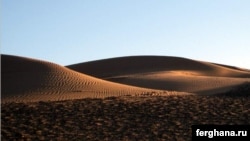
(74, 31)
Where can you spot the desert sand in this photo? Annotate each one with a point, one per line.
(126, 98)
(166, 73)
(30, 80)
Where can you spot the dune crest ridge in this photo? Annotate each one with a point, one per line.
(147, 64)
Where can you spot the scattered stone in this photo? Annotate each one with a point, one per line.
(120, 118)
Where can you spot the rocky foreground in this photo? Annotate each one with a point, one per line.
(120, 118)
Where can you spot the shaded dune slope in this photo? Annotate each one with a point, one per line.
(25, 79)
(166, 73)
(145, 64)
(242, 90)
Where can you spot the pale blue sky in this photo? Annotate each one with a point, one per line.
(74, 31)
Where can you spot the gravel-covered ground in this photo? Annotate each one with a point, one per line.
(120, 118)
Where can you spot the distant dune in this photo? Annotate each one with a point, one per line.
(166, 73)
(147, 64)
(28, 80)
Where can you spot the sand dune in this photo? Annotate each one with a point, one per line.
(147, 64)
(77, 106)
(27, 80)
(166, 73)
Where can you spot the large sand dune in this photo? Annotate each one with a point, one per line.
(25, 79)
(166, 73)
(90, 113)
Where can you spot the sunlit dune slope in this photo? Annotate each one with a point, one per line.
(166, 73)
(25, 79)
